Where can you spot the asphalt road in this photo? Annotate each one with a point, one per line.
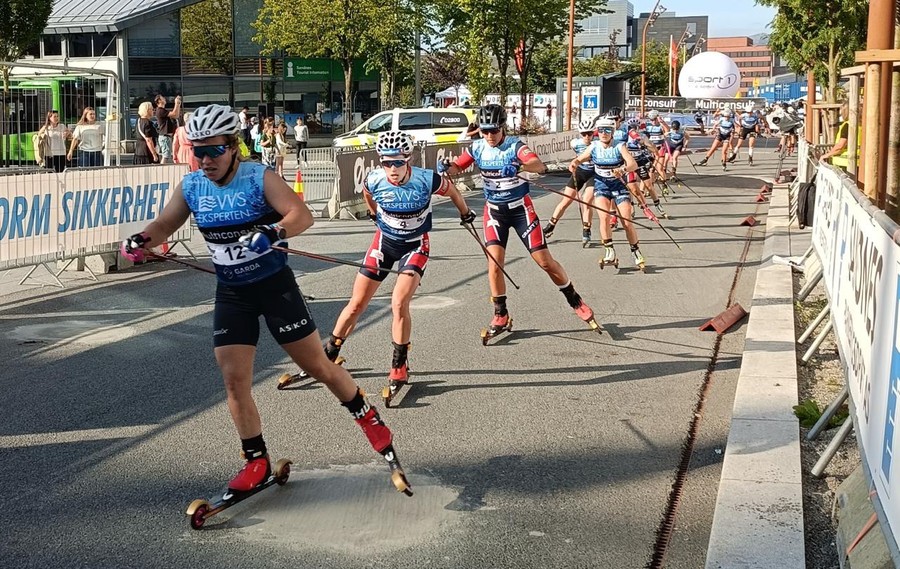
(554, 447)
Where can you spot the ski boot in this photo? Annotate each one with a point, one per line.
(585, 235)
(501, 322)
(332, 349)
(581, 309)
(724, 166)
(660, 210)
(548, 229)
(399, 376)
(380, 437)
(638, 258)
(750, 160)
(732, 158)
(703, 162)
(609, 256)
(256, 475)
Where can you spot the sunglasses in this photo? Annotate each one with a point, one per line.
(213, 151)
(490, 130)
(394, 163)
(605, 130)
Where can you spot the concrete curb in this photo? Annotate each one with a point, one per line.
(758, 521)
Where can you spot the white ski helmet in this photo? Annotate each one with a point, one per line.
(604, 122)
(653, 114)
(633, 122)
(587, 125)
(726, 112)
(394, 143)
(212, 120)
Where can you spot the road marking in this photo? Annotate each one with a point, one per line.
(66, 437)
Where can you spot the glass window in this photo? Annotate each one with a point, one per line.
(33, 50)
(104, 44)
(80, 45)
(381, 123)
(148, 66)
(157, 37)
(414, 121)
(52, 45)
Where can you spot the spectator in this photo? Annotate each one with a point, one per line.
(166, 125)
(52, 137)
(244, 119)
(281, 148)
(254, 138)
(88, 139)
(549, 114)
(145, 149)
(183, 148)
(301, 135)
(838, 153)
(267, 143)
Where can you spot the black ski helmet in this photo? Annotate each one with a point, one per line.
(676, 125)
(614, 113)
(492, 116)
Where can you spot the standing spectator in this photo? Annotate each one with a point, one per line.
(549, 114)
(255, 151)
(183, 148)
(267, 143)
(301, 135)
(145, 149)
(53, 137)
(244, 118)
(88, 139)
(166, 125)
(281, 148)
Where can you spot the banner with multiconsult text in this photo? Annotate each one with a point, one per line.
(51, 217)
(861, 273)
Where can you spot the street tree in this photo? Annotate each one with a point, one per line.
(657, 69)
(443, 69)
(818, 36)
(333, 29)
(206, 38)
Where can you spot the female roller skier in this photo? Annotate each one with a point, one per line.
(399, 200)
(577, 183)
(611, 161)
(242, 209)
(509, 207)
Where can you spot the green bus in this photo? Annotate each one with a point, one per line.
(27, 103)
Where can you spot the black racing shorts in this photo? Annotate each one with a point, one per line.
(745, 132)
(277, 298)
(580, 178)
(518, 215)
(385, 252)
(723, 137)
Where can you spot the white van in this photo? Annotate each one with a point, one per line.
(425, 125)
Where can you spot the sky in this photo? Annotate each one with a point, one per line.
(726, 17)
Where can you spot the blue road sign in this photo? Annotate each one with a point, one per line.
(590, 102)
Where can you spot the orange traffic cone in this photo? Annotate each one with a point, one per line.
(298, 185)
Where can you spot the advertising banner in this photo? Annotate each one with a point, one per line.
(352, 169)
(691, 104)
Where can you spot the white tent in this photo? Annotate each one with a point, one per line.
(462, 92)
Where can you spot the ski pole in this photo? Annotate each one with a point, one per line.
(334, 260)
(474, 233)
(606, 211)
(680, 181)
(688, 156)
(179, 261)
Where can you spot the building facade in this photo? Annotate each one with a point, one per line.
(755, 62)
(692, 31)
(598, 30)
(153, 48)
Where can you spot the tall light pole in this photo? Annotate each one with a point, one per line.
(686, 35)
(653, 15)
(571, 59)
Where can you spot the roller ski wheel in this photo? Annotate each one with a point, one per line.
(587, 316)
(398, 379)
(201, 510)
(288, 379)
(398, 478)
(639, 260)
(492, 331)
(605, 263)
(750, 161)
(585, 237)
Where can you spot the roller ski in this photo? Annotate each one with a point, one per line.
(703, 162)
(638, 258)
(240, 488)
(399, 376)
(750, 160)
(581, 309)
(332, 348)
(732, 158)
(609, 257)
(500, 323)
(381, 439)
(660, 211)
(585, 235)
(724, 166)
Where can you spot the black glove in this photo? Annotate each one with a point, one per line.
(467, 218)
(373, 217)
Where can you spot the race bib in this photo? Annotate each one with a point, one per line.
(231, 254)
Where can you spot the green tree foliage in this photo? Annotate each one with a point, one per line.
(548, 62)
(206, 38)
(336, 29)
(443, 69)
(22, 22)
(821, 36)
(657, 68)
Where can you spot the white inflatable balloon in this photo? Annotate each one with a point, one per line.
(709, 74)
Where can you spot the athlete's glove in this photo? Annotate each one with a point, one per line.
(649, 214)
(133, 247)
(510, 170)
(372, 217)
(261, 237)
(443, 165)
(467, 218)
